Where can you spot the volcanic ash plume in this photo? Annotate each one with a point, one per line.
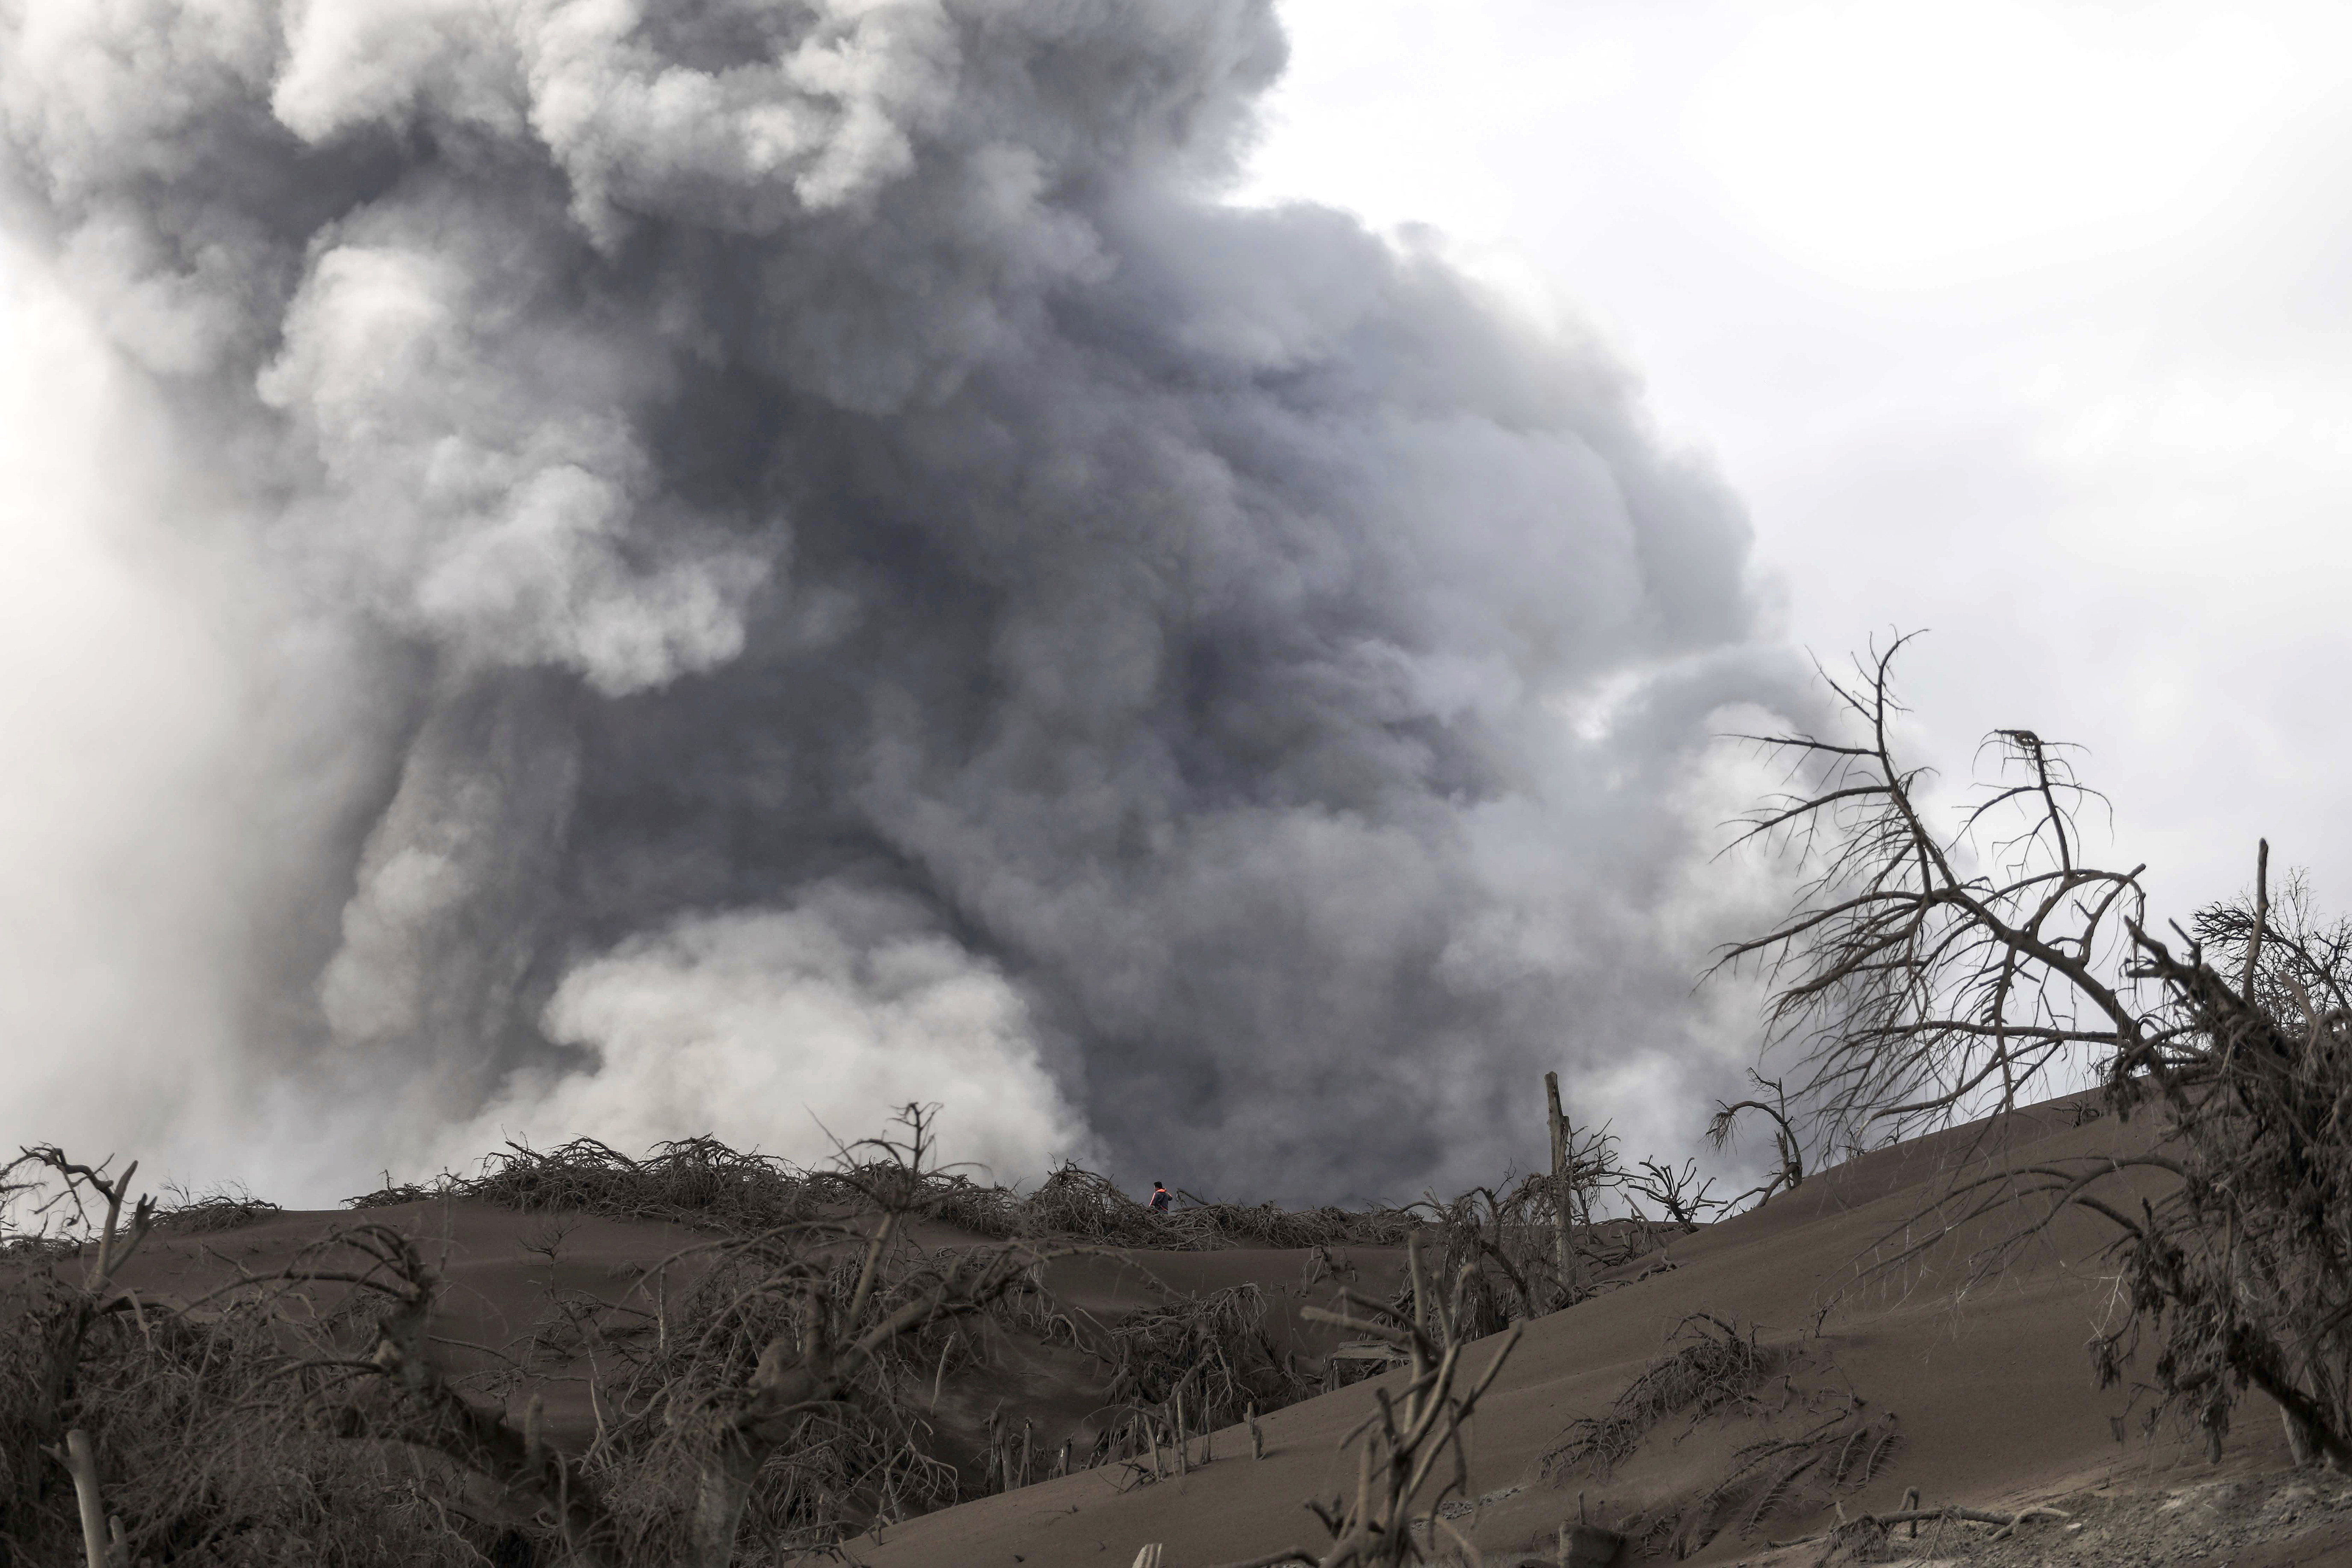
(861, 579)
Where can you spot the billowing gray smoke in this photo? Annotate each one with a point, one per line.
(856, 578)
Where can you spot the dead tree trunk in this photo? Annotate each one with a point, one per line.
(1572, 1273)
(83, 1461)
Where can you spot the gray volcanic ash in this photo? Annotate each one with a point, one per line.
(861, 578)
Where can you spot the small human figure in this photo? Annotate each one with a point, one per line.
(1163, 1200)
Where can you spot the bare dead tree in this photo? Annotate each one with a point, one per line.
(1790, 1173)
(183, 1406)
(1925, 975)
(395, 1389)
(1493, 1252)
(1407, 1441)
(796, 1380)
(2242, 1273)
(390, 1386)
(1922, 973)
(1534, 1246)
(1678, 1191)
(78, 1190)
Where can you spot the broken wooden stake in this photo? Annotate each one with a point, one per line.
(1572, 1279)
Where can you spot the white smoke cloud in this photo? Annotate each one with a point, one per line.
(479, 475)
(119, 801)
(783, 1029)
(810, 553)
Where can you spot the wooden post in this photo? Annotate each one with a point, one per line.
(1571, 1272)
(1419, 1314)
(2262, 920)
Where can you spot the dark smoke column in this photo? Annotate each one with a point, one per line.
(890, 590)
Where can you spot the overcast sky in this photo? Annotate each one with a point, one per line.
(2021, 323)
